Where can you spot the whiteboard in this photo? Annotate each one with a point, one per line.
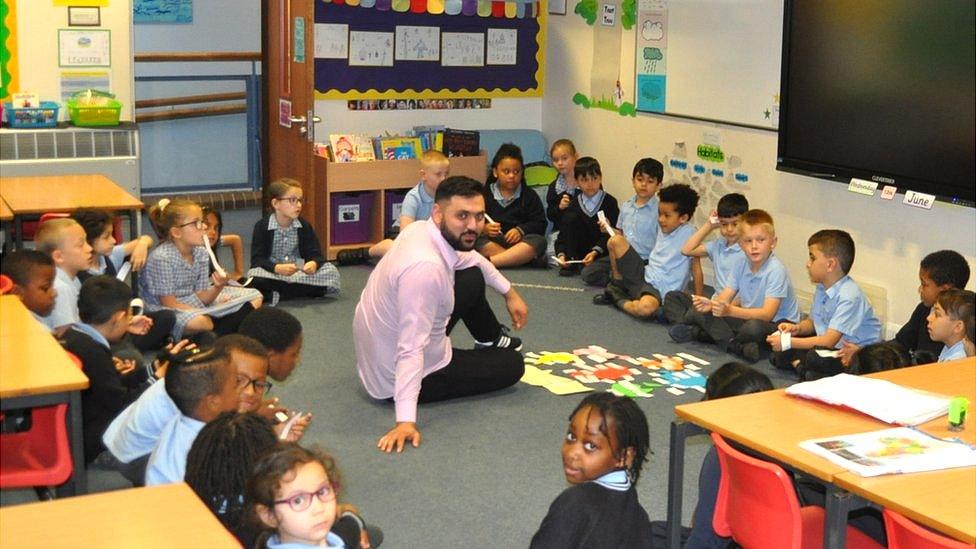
(721, 60)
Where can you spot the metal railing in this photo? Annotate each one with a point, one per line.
(247, 102)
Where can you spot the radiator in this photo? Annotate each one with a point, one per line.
(113, 152)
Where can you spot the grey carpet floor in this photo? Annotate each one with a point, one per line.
(489, 466)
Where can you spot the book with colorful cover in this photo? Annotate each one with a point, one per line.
(351, 147)
(892, 451)
(401, 147)
(461, 142)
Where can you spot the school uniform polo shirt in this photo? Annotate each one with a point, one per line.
(844, 308)
(417, 203)
(726, 261)
(667, 268)
(639, 225)
(66, 304)
(952, 353)
(116, 257)
(496, 193)
(167, 463)
(771, 280)
(135, 432)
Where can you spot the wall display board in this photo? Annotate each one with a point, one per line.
(692, 56)
(429, 49)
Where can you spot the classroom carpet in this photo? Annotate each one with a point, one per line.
(488, 466)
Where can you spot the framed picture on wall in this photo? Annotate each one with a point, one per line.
(84, 16)
(557, 7)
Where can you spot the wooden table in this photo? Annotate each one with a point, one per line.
(159, 516)
(942, 500)
(35, 371)
(30, 196)
(5, 213)
(774, 424)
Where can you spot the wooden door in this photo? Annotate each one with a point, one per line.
(289, 80)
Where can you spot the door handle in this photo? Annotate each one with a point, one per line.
(299, 119)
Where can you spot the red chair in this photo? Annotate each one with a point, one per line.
(758, 508)
(904, 533)
(40, 456)
(5, 284)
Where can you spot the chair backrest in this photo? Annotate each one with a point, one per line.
(757, 504)
(903, 533)
(6, 284)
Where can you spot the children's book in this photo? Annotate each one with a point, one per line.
(890, 451)
(401, 147)
(877, 398)
(351, 148)
(461, 142)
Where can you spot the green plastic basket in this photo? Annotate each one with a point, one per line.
(94, 108)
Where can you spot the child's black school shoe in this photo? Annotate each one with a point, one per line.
(748, 351)
(353, 256)
(540, 261)
(570, 270)
(684, 333)
(503, 341)
(603, 298)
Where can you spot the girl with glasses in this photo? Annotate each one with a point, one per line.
(292, 494)
(286, 259)
(177, 275)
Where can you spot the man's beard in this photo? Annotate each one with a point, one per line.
(455, 241)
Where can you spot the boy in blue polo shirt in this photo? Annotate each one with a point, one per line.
(724, 252)
(758, 292)
(637, 221)
(202, 387)
(636, 288)
(840, 312)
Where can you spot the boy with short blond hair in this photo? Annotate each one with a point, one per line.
(417, 204)
(64, 241)
(758, 293)
(840, 311)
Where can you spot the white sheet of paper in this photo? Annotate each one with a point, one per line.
(213, 258)
(124, 271)
(603, 217)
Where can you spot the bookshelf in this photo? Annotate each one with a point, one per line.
(375, 179)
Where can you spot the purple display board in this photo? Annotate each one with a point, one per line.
(404, 77)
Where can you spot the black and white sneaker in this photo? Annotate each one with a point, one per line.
(503, 341)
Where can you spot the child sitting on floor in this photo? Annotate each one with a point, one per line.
(515, 234)
(103, 306)
(417, 205)
(32, 273)
(637, 221)
(840, 311)
(292, 494)
(951, 322)
(64, 240)
(638, 288)
(201, 386)
(581, 235)
(215, 232)
(286, 259)
(562, 191)
(731, 379)
(108, 257)
(604, 450)
(177, 275)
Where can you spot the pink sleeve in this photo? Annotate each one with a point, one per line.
(493, 277)
(419, 288)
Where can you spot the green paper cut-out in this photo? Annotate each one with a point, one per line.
(625, 108)
(653, 54)
(587, 10)
(629, 16)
